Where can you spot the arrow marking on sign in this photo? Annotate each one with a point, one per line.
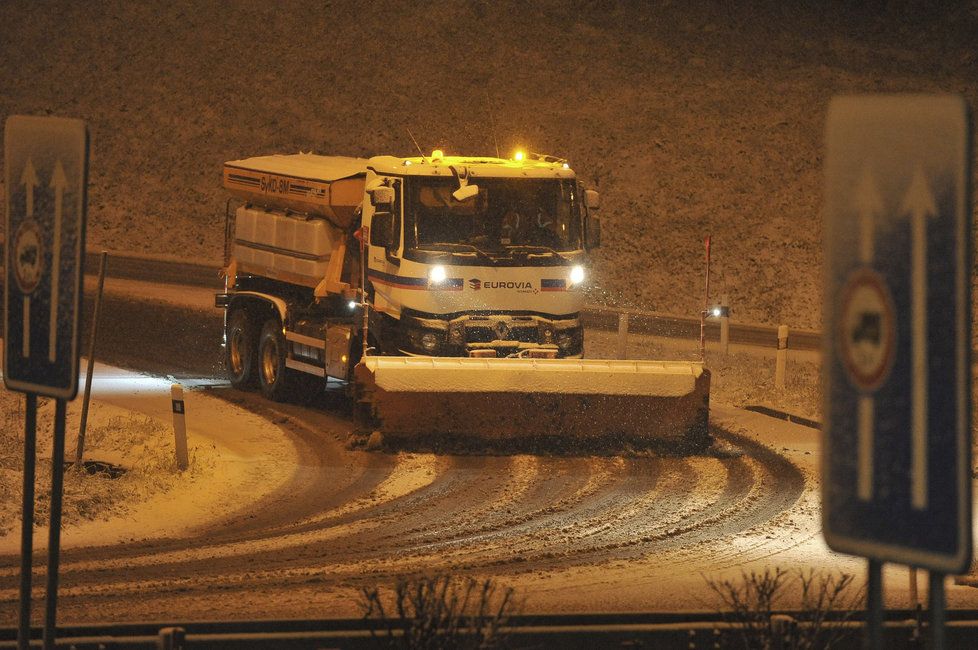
(919, 204)
(29, 180)
(868, 204)
(59, 182)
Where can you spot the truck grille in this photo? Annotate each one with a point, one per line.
(485, 331)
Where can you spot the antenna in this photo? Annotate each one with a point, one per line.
(492, 123)
(420, 153)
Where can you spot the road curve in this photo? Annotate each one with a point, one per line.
(354, 518)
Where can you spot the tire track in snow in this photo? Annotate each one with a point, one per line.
(405, 514)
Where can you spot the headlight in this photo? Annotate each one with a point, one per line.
(437, 274)
(577, 275)
(352, 305)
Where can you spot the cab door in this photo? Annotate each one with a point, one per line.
(385, 249)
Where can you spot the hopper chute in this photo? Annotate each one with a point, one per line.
(575, 402)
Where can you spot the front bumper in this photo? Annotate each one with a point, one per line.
(505, 334)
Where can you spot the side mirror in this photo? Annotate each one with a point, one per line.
(592, 232)
(382, 229)
(465, 192)
(592, 199)
(382, 196)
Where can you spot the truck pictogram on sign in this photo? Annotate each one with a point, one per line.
(867, 339)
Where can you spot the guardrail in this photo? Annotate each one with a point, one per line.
(659, 630)
(656, 324)
(201, 274)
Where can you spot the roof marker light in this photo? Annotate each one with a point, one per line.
(407, 163)
(518, 157)
(437, 154)
(566, 166)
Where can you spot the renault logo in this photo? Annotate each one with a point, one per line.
(502, 330)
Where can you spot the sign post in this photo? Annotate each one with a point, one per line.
(46, 176)
(897, 437)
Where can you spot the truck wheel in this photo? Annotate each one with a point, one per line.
(273, 377)
(240, 354)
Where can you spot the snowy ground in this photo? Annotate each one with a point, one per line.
(235, 458)
(142, 445)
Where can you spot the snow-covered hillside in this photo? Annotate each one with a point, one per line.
(690, 118)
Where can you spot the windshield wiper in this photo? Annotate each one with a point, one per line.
(453, 248)
(535, 250)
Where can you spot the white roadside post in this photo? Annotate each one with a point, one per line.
(622, 335)
(725, 323)
(179, 426)
(781, 364)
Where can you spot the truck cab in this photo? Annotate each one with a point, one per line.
(330, 258)
(481, 257)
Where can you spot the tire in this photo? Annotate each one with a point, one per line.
(240, 350)
(276, 381)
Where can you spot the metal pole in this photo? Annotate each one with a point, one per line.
(27, 522)
(80, 447)
(874, 606)
(54, 524)
(937, 610)
(915, 603)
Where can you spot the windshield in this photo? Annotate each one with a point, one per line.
(507, 215)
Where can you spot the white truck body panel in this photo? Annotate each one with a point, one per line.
(538, 289)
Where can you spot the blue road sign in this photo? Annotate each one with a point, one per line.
(46, 177)
(896, 479)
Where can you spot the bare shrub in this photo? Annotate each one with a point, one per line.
(752, 602)
(440, 611)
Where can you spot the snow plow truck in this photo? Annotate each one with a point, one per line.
(444, 291)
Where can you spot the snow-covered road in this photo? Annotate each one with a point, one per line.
(572, 534)
(292, 523)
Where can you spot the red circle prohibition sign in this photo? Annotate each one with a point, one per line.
(867, 329)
